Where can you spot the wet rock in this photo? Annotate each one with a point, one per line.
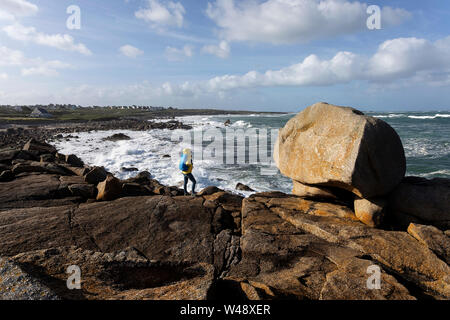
(125, 169)
(243, 187)
(117, 137)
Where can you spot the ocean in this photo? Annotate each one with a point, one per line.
(220, 162)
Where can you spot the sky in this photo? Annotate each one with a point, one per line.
(261, 55)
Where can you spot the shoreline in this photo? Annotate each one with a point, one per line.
(55, 211)
(67, 118)
(18, 135)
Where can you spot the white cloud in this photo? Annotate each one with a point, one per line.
(396, 62)
(162, 14)
(60, 41)
(175, 54)
(9, 9)
(404, 57)
(222, 50)
(5, 16)
(45, 68)
(9, 57)
(418, 60)
(34, 66)
(293, 21)
(3, 76)
(130, 51)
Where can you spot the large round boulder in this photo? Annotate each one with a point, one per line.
(340, 147)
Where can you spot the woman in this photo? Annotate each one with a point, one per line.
(186, 166)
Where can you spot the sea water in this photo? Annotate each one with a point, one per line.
(425, 138)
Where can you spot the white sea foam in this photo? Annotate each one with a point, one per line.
(404, 115)
(423, 147)
(430, 117)
(439, 172)
(146, 151)
(392, 115)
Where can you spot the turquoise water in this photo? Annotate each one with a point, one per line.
(426, 140)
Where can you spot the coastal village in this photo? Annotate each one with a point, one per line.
(45, 111)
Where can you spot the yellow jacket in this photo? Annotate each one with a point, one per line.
(189, 170)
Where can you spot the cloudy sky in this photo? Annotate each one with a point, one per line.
(264, 55)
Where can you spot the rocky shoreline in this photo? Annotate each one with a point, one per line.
(138, 239)
(18, 135)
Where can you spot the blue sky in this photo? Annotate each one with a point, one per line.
(266, 55)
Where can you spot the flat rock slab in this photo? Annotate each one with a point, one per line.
(397, 251)
(433, 238)
(23, 230)
(282, 260)
(29, 188)
(121, 275)
(163, 228)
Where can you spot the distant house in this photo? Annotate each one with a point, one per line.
(40, 113)
(20, 109)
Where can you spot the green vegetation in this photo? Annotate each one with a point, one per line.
(11, 115)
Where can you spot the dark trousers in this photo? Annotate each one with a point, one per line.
(190, 177)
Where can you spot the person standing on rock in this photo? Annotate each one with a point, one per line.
(186, 166)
